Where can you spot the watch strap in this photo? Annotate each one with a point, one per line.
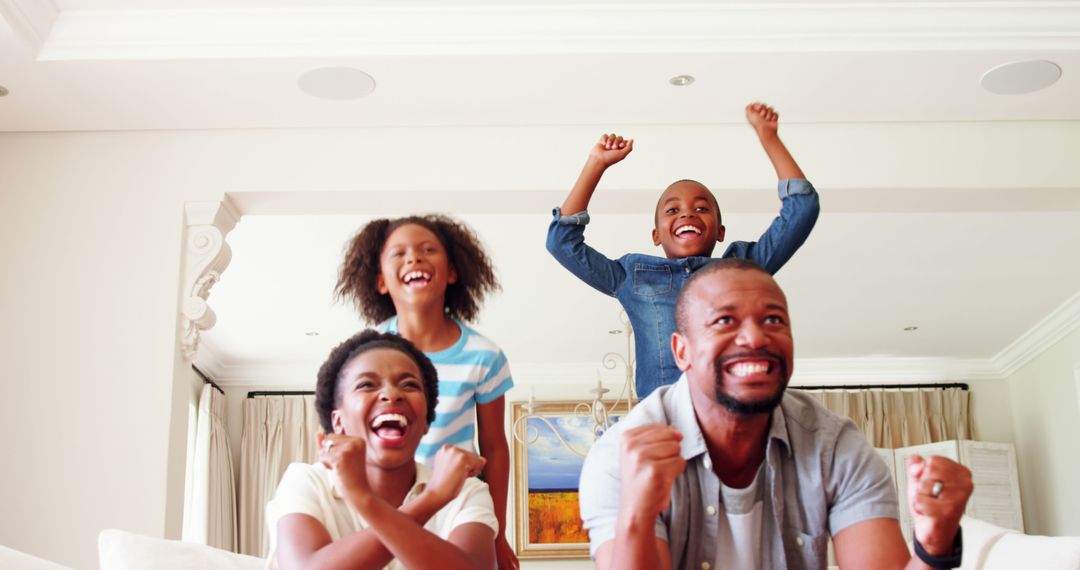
(951, 560)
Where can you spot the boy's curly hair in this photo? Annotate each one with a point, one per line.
(475, 274)
(327, 395)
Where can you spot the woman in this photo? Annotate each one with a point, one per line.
(367, 503)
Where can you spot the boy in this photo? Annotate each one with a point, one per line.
(687, 228)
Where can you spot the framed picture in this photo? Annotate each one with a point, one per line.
(545, 480)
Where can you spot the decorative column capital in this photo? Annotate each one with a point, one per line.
(206, 255)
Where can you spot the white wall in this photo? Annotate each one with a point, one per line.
(1046, 415)
(95, 398)
(991, 412)
(90, 237)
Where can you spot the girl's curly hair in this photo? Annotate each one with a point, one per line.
(358, 273)
(327, 395)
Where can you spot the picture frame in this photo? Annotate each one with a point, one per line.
(545, 481)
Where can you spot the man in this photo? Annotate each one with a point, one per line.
(725, 469)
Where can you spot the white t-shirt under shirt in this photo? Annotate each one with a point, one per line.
(309, 489)
(472, 372)
(738, 535)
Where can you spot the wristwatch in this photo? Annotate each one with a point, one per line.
(950, 560)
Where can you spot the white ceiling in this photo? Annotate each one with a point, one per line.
(973, 268)
(171, 64)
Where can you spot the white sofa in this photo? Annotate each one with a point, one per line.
(989, 547)
(122, 550)
(11, 559)
(986, 547)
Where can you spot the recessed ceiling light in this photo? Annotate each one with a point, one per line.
(681, 80)
(911, 328)
(1018, 77)
(312, 333)
(3, 91)
(336, 83)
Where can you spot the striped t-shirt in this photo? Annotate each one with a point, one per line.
(473, 371)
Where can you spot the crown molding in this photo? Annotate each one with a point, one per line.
(271, 375)
(206, 256)
(209, 360)
(391, 30)
(1047, 332)
(31, 19)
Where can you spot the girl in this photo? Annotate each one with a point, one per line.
(424, 277)
(367, 503)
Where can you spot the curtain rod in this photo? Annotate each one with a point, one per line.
(207, 379)
(281, 393)
(962, 386)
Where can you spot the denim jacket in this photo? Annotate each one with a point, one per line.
(647, 286)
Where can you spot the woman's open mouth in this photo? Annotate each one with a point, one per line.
(391, 428)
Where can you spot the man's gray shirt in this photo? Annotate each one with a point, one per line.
(821, 477)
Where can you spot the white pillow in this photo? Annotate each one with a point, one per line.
(120, 550)
(1042, 552)
(979, 540)
(11, 559)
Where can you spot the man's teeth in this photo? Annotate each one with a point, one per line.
(748, 368)
(381, 419)
(412, 275)
(688, 228)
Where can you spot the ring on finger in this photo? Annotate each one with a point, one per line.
(327, 444)
(935, 490)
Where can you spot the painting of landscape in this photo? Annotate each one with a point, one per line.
(546, 480)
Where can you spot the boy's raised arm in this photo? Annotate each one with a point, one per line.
(799, 201)
(765, 120)
(610, 149)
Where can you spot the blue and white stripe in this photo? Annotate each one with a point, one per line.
(474, 371)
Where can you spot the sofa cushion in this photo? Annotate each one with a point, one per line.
(979, 539)
(1016, 550)
(120, 550)
(14, 560)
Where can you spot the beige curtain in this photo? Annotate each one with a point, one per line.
(894, 418)
(210, 513)
(278, 430)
